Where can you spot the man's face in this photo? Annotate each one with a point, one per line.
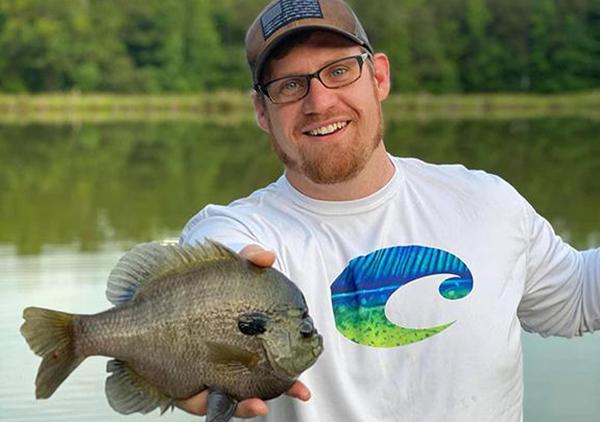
(329, 135)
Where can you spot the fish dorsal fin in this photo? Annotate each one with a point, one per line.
(150, 261)
(127, 392)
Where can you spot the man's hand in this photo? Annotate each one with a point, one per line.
(248, 408)
(258, 255)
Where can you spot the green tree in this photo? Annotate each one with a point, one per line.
(510, 28)
(387, 27)
(565, 45)
(203, 54)
(35, 42)
(197, 45)
(434, 71)
(480, 59)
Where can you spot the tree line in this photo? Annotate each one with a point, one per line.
(437, 46)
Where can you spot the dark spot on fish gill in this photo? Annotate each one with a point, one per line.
(55, 355)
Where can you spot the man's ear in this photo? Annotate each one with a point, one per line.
(260, 111)
(381, 74)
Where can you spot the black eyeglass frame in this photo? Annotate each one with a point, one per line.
(360, 58)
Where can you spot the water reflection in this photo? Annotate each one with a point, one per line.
(91, 184)
(85, 185)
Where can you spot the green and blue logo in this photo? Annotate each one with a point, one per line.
(361, 291)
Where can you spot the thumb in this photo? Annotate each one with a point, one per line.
(258, 256)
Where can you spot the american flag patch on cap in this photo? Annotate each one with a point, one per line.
(286, 11)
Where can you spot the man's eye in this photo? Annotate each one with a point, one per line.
(338, 71)
(290, 86)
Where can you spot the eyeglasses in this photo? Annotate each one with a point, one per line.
(334, 75)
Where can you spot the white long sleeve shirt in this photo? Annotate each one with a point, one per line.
(420, 291)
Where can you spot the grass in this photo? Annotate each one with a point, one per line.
(234, 107)
(221, 107)
(495, 105)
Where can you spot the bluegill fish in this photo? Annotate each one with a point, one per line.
(185, 319)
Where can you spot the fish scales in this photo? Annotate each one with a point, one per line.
(207, 319)
(162, 333)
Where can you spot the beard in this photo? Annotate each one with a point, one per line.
(330, 164)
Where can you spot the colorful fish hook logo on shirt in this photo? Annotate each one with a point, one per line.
(361, 291)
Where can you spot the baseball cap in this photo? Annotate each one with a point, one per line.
(282, 18)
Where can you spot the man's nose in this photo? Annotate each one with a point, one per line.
(319, 97)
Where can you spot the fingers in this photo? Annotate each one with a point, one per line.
(250, 408)
(196, 405)
(255, 407)
(299, 391)
(258, 255)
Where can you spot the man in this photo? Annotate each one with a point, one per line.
(419, 277)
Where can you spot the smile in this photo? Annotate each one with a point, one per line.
(327, 130)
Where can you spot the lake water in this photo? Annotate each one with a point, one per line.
(74, 197)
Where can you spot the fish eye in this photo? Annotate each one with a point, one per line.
(307, 328)
(253, 323)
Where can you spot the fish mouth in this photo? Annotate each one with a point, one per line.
(289, 366)
(318, 348)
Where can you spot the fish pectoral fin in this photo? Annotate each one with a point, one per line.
(221, 407)
(231, 356)
(127, 392)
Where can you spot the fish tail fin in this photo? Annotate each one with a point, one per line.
(50, 335)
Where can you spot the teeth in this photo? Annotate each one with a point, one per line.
(326, 130)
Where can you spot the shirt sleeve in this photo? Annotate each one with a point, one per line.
(562, 286)
(220, 224)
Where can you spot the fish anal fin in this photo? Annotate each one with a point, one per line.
(127, 392)
(221, 407)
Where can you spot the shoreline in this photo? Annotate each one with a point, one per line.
(227, 108)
